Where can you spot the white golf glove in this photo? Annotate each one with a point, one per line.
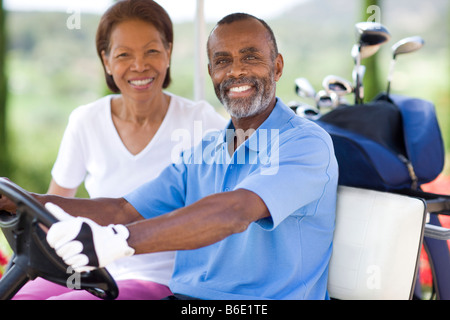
(83, 244)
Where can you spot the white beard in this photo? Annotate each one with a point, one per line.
(247, 107)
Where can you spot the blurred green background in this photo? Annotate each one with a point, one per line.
(52, 69)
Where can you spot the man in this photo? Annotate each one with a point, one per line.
(252, 217)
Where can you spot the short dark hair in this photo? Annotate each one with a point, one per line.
(146, 10)
(239, 16)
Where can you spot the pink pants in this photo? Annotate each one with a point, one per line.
(40, 289)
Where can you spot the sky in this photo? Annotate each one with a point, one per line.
(179, 10)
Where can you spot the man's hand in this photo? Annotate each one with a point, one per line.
(85, 245)
(6, 204)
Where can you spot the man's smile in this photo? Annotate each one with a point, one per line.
(240, 88)
(240, 91)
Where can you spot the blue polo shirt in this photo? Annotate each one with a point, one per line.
(289, 162)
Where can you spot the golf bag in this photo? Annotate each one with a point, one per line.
(388, 144)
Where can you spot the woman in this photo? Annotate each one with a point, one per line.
(125, 139)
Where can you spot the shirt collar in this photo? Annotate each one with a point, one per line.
(279, 116)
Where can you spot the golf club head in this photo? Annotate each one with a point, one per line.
(338, 85)
(407, 45)
(371, 33)
(364, 52)
(303, 88)
(326, 99)
(308, 112)
(305, 110)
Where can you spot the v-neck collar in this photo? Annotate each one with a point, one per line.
(119, 141)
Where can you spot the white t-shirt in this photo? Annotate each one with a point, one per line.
(92, 151)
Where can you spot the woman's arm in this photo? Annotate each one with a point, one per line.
(56, 189)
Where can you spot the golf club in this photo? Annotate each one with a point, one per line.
(369, 37)
(405, 45)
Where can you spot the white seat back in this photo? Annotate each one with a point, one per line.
(376, 245)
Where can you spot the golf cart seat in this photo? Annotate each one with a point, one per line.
(377, 244)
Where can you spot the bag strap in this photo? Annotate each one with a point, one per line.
(411, 172)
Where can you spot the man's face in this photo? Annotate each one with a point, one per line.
(242, 67)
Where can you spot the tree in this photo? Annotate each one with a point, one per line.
(4, 158)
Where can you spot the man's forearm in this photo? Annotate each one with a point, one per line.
(205, 222)
(104, 211)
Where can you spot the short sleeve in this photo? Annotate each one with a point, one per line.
(69, 169)
(298, 174)
(161, 195)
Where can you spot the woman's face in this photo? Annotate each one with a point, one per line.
(137, 60)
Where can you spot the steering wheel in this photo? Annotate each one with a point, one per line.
(33, 257)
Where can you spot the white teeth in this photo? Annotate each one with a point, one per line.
(240, 89)
(140, 82)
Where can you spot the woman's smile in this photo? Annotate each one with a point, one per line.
(141, 83)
